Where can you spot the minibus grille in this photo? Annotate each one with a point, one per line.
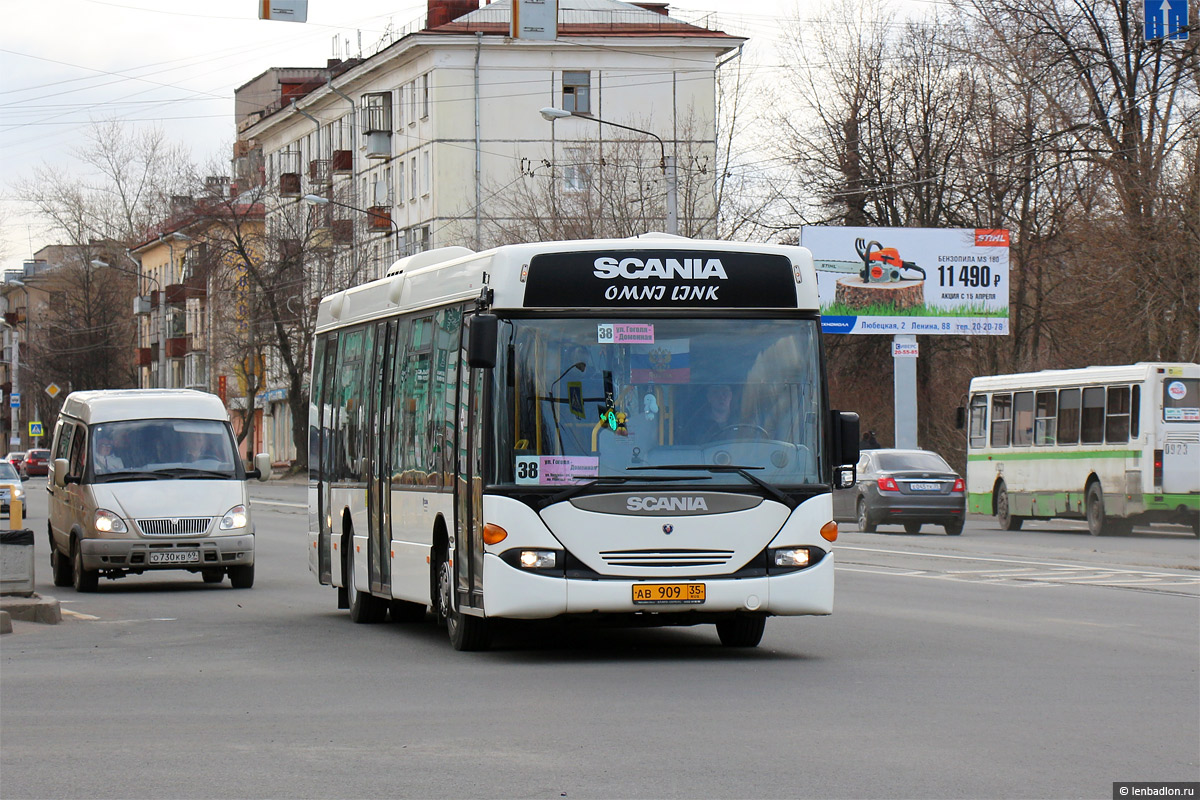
(666, 558)
(184, 526)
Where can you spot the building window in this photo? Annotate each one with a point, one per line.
(412, 180)
(576, 171)
(577, 92)
(425, 96)
(425, 170)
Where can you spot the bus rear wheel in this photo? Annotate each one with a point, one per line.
(1098, 521)
(741, 631)
(1004, 514)
(466, 632)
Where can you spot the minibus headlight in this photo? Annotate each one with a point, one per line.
(108, 522)
(236, 517)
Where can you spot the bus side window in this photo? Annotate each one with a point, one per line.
(1022, 434)
(1068, 416)
(1135, 410)
(1116, 421)
(1045, 417)
(1001, 419)
(1091, 427)
(978, 430)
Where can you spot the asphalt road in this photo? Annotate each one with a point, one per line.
(1044, 663)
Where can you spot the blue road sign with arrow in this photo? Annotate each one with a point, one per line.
(1166, 19)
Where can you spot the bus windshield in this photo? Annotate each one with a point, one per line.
(586, 398)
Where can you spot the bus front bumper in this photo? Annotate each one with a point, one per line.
(515, 594)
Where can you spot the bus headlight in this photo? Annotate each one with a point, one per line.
(108, 522)
(538, 559)
(236, 517)
(795, 557)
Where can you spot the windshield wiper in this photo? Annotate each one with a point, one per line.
(568, 493)
(129, 475)
(743, 471)
(193, 472)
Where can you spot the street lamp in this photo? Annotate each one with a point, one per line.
(317, 200)
(550, 114)
(162, 299)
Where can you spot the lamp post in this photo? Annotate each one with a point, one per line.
(317, 200)
(162, 298)
(667, 164)
(15, 368)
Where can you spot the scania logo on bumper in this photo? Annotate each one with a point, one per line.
(664, 504)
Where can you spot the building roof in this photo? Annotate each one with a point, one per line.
(584, 18)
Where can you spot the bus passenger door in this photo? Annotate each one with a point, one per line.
(327, 460)
(468, 485)
(379, 467)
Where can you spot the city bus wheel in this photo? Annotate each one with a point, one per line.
(865, 523)
(365, 608)
(1004, 514)
(85, 580)
(1098, 521)
(466, 632)
(741, 631)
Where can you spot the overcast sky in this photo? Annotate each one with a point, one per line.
(176, 64)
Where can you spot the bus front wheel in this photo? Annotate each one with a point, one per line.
(466, 632)
(741, 631)
(1004, 515)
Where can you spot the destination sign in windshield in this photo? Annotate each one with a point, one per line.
(660, 278)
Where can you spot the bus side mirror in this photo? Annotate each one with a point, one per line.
(844, 425)
(960, 417)
(481, 341)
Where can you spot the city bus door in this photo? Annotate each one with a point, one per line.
(379, 460)
(468, 485)
(327, 459)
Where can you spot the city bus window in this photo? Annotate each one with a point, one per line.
(1116, 423)
(1045, 418)
(1091, 428)
(1001, 419)
(978, 430)
(1022, 435)
(1068, 416)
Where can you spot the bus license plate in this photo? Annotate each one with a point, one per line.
(649, 594)
(175, 557)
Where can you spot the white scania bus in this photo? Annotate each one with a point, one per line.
(1113, 445)
(631, 430)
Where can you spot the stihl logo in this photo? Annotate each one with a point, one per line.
(986, 238)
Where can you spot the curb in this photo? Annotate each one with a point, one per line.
(45, 610)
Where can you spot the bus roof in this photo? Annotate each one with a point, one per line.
(109, 405)
(455, 274)
(1084, 375)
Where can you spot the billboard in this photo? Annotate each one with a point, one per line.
(950, 281)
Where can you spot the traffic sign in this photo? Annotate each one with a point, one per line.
(53, 389)
(35, 429)
(15, 400)
(1166, 19)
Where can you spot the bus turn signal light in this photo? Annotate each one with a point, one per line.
(829, 531)
(494, 534)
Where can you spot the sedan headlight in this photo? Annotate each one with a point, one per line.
(108, 522)
(236, 517)
(18, 492)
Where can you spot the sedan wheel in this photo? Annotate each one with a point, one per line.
(865, 523)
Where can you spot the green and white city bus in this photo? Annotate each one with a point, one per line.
(1116, 446)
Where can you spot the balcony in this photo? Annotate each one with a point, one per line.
(343, 161)
(143, 357)
(289, 184)
(379, 218)
(343, 231)
(318, 172)
(141, 305)
(177, 347)
(176, 293)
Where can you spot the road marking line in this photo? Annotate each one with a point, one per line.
(66, 612)
(1000, 560)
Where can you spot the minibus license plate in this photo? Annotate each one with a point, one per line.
(649, 594)
(175, 557)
